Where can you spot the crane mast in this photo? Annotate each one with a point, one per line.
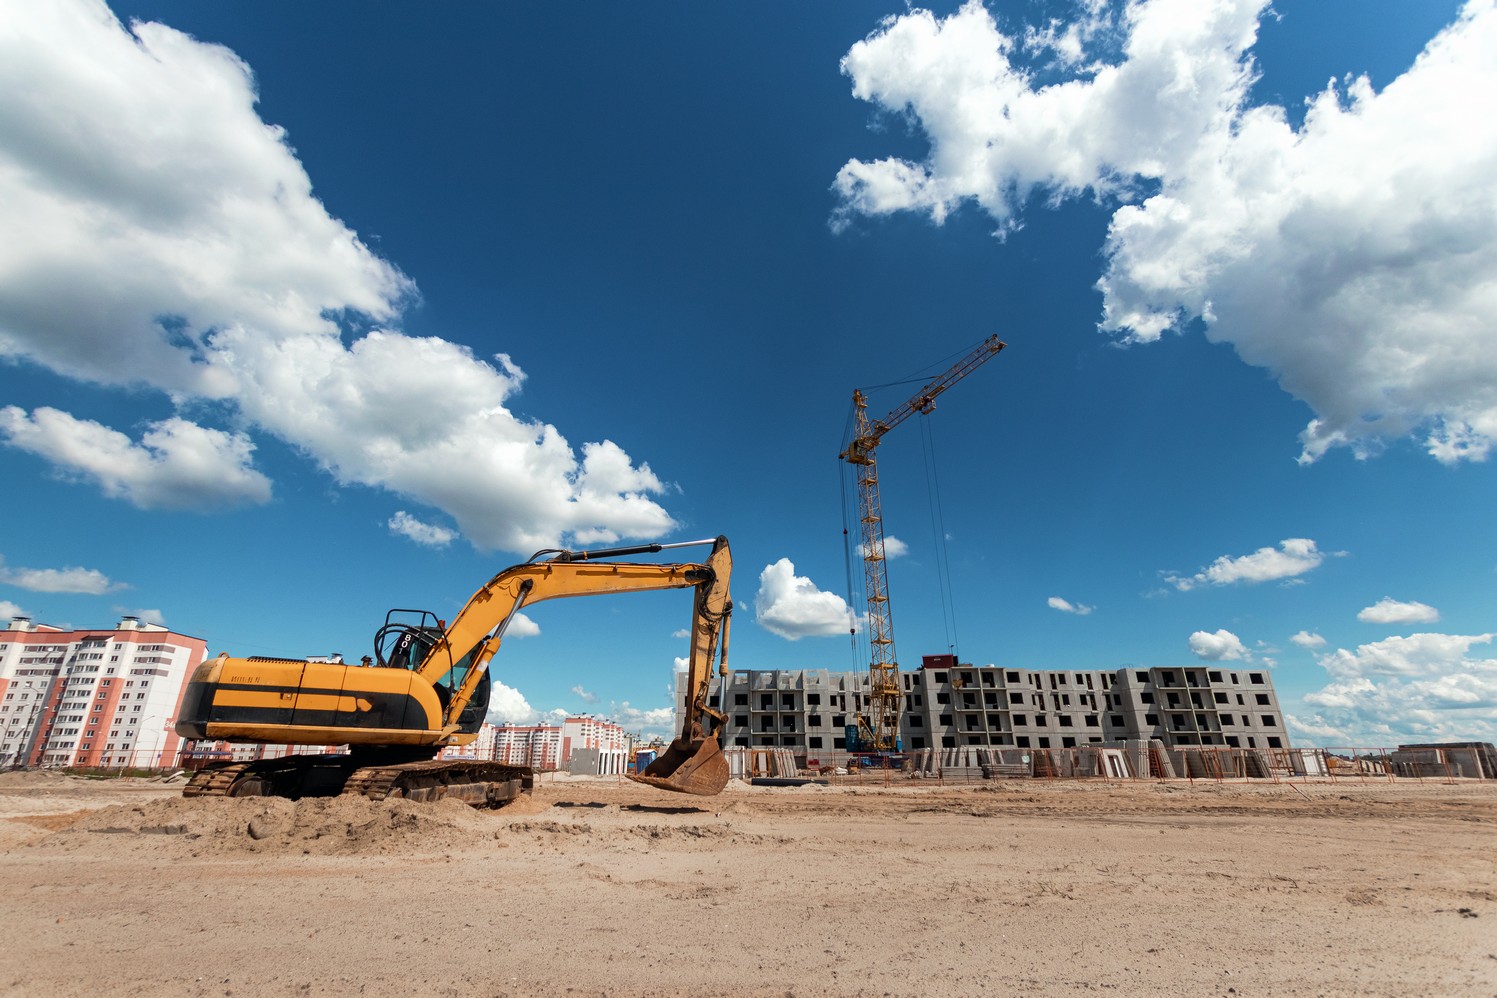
(880, 727)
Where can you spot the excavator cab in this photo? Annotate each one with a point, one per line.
(405, 641)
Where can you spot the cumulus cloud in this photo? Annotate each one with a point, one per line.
(791, 606)
(85, 581)
(1419, 687)
(508, 705)
(176, 465)
(1390, 611)
(1317, 730)
(684, 632)
(1293, 557)
(1353, 256)
(648, 721)
(9, 610)
(164, 236)
(893, 548)
(1306, 639)
(1221, 646)
(1066, 606)
(521, 626)
(428, 534)
(582, 694)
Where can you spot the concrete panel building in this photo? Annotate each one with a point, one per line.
(105, 697)
(553, 746)
(948, 704)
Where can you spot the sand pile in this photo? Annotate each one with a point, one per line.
(317, 826)
(35, 778)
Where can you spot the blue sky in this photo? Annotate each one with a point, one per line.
(307, 311)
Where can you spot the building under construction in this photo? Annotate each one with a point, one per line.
(952, 705)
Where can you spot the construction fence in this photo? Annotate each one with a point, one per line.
(1132, 760)
(1138, 760)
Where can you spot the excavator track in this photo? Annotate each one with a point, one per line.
(214, 781)
(479, 784)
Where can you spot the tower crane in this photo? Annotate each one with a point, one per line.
(878, 728)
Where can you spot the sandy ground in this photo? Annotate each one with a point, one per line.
(592, 887)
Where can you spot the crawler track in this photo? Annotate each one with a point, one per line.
(480, 784)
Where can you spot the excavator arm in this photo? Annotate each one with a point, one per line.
(693, 763)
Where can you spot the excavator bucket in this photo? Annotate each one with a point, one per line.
(688, 766)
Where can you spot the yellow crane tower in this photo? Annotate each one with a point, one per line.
(879, 727)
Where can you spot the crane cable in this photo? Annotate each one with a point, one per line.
(938, 529)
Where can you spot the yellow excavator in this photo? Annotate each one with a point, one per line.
(427, 687)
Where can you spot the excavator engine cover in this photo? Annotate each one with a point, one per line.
(688, 766)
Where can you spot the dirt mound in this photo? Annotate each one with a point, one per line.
(525, 804)
(317, 826)
(23, 778)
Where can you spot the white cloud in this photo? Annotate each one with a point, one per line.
(1354, 257)
(893, 548)
(684, 632)
(1306, 639)
(521, 626)
(149, 615)
(791, 606)
(86, 581)
(649, 721)
(1066, 606)
(164, 236)
(176, 465)
(1390, 611)
(428, 534)
(1222, 646)
(1422, 687)
(584, 695)
(9, 610)
(1293, 557)
(507, 705)
(1316, 729)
